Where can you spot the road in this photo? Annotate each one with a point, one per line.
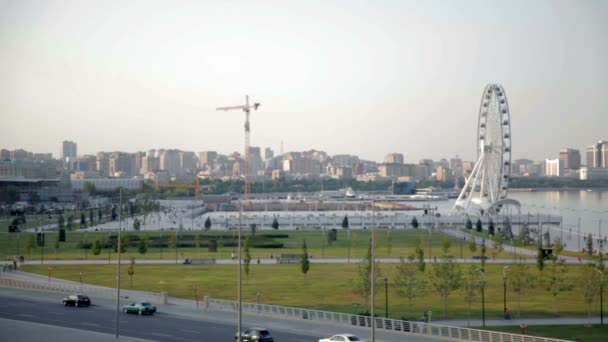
(173, 322)
(101, 318)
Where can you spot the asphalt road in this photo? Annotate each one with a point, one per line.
(101, 318)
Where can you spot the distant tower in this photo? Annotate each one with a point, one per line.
(68, 153)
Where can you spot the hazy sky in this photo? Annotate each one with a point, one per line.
(359, 77)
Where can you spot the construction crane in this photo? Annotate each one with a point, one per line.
(246, 108)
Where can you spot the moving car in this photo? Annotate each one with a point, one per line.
(76, 300)
(141, 308)
(341, 338)
(255, 334)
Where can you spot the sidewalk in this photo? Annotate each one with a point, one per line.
(18, 331)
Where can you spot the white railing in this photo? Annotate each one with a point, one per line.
(73, 287)
(406, 327)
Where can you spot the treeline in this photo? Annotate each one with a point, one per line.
(556, 182)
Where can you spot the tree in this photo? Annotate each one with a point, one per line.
(389, 243)
(83, 220)
(420, 254)
(197, 240)
(520, 280)
(61, 236)
(471, 286)
(345, 222)
(554, 277)
(60, 221)
(131, 270)
(304, 262)
(123, 244)
(275, 224)
(409, 281)
(362, 283)
(136, 224)
(207, 224)
(589, 242)
(99, 215)
(247, 259)
(589, 283)
(96, 247)
(89, 188)
(498, 240)
(478, 225)
(70, 222)
(91, 216)
(469, 224)
(142, 248)
(491, 227)
(415, 223)
(446, 278)
(30, 243)
(57, 243)
(472, 243)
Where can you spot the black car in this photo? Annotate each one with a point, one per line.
(255, 334)
(76, 300)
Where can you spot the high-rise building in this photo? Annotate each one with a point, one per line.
(206, 158)
(19, 154)
(5, 155)
(188, 161)
(554, 167)
(68, 150)
(169, 161)
(597, 155)
(268, 153)
(394, 158)
(103, 164)
(149, 163)
(570, 158)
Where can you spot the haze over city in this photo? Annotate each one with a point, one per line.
(345, 77)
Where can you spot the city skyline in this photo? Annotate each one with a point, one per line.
(346, 77)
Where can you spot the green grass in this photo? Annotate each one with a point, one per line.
(325, 287)
(351, 244)
(582, 333)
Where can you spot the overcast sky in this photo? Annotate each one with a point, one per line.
(359, 77)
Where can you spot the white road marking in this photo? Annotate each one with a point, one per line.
(190, 331)
(159, 334)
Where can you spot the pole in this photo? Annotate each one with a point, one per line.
(601, 295)
(373, 273)
(386, 297)
(483, 298)
(118, 268)
(239, 321)
(504, 286)
(80, 281)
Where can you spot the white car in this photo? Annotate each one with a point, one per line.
(341, 338)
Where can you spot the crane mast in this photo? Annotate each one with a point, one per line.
(246, 108)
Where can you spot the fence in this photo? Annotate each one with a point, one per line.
(72, 287)
(407, 327)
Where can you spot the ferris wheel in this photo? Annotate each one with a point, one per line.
(485, 189)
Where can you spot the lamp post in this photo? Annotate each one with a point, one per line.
(483, 298)
(504, 287)
(386, 297)
(80, 281)
(601, 295)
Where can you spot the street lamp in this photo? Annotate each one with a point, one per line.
(80, 281)
(601, 295)
(504, 286)
(483, 298)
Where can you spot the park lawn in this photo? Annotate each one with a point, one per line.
(350, 244)
(325, 287)
(582, 333)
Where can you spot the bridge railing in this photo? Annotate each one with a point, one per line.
(73, 287)
(406, 327)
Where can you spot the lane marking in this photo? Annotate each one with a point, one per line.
(190, 331)
(159, 334)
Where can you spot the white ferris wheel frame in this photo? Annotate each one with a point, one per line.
(488, 183)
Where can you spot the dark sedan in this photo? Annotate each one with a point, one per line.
(140, 308)
(76, 300)
(255, 334)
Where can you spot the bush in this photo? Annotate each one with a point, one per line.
(267, 244)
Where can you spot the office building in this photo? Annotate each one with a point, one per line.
(68, 150)
(394, 158)
(571, 158)
(554, 167)
(597, 155)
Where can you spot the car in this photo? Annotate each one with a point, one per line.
(140, 308)
(341, 338)
(76, 300)
(255, 334)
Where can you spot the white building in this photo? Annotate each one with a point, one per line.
(554, 167)
(587, 173)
